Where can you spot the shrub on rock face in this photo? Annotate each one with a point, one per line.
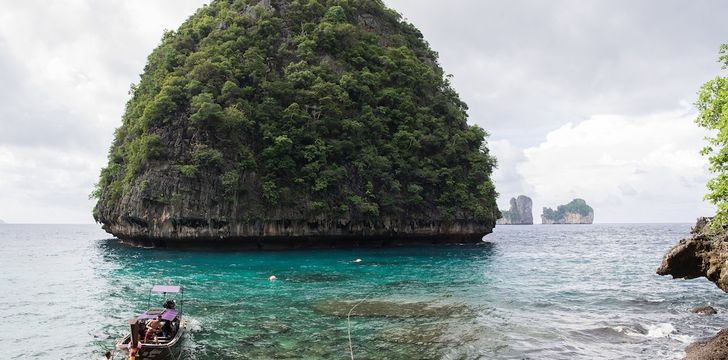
(713, 106)
(330, 110)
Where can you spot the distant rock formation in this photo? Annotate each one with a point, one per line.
(520, 213)
(703, 254)
(2, 222)
(575, 212)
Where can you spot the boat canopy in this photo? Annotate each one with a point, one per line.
(167, 314)
(171, 289)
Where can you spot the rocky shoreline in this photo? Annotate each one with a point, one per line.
(302, 242)
(703, 254)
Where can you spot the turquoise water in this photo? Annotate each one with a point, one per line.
(535, 292)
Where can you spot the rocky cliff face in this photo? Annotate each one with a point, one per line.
(520, 213)
(277, 124)
(569, 218)
(703, 254)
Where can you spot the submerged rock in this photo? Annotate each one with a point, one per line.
(382, 308)
(704, 310)
(415, 335)
(315, 278)
(276, 124)
(520, 213)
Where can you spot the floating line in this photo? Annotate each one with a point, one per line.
(348, 323)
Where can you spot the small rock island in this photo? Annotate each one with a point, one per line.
(285, 124)
(520, 213)
(575, 212)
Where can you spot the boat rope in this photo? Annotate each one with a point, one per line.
(348, 323)
(173, 356)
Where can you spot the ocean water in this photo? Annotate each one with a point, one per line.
(531, 292)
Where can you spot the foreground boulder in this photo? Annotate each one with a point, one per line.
(715, 348)
(290, 123)
(703, 254)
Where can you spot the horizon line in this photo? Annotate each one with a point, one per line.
(534, 224)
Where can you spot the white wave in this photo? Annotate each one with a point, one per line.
(685, 339)
(659, 330)
(655, 300)
(649, 331)
(193, 325)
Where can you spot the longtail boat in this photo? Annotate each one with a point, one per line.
(157, 332)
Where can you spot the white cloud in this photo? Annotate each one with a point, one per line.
(509, 182)
(65, 70)
(526, 67)
(630, 169)
(47, 185)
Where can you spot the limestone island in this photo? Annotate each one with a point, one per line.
(575, 212)
(2, 222)
(278, 124)
(520, 213)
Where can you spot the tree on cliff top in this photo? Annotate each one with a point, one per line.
(336, 106)
(713, 107)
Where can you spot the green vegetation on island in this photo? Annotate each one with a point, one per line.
(295, 110)
(712, 105)
(577, 211)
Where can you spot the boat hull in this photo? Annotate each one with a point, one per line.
(169, 350)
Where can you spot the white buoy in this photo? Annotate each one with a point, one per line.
(272, 278)
(357, 261)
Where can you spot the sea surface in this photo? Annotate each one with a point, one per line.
(529, 292)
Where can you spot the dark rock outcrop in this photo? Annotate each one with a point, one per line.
(704, 310)
(520, 213)
(703, 254)
(715, 348)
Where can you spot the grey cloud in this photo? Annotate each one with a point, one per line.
(573, 58)
(524, 67)
(627, 190)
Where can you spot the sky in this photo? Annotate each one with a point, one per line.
(587, 99)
